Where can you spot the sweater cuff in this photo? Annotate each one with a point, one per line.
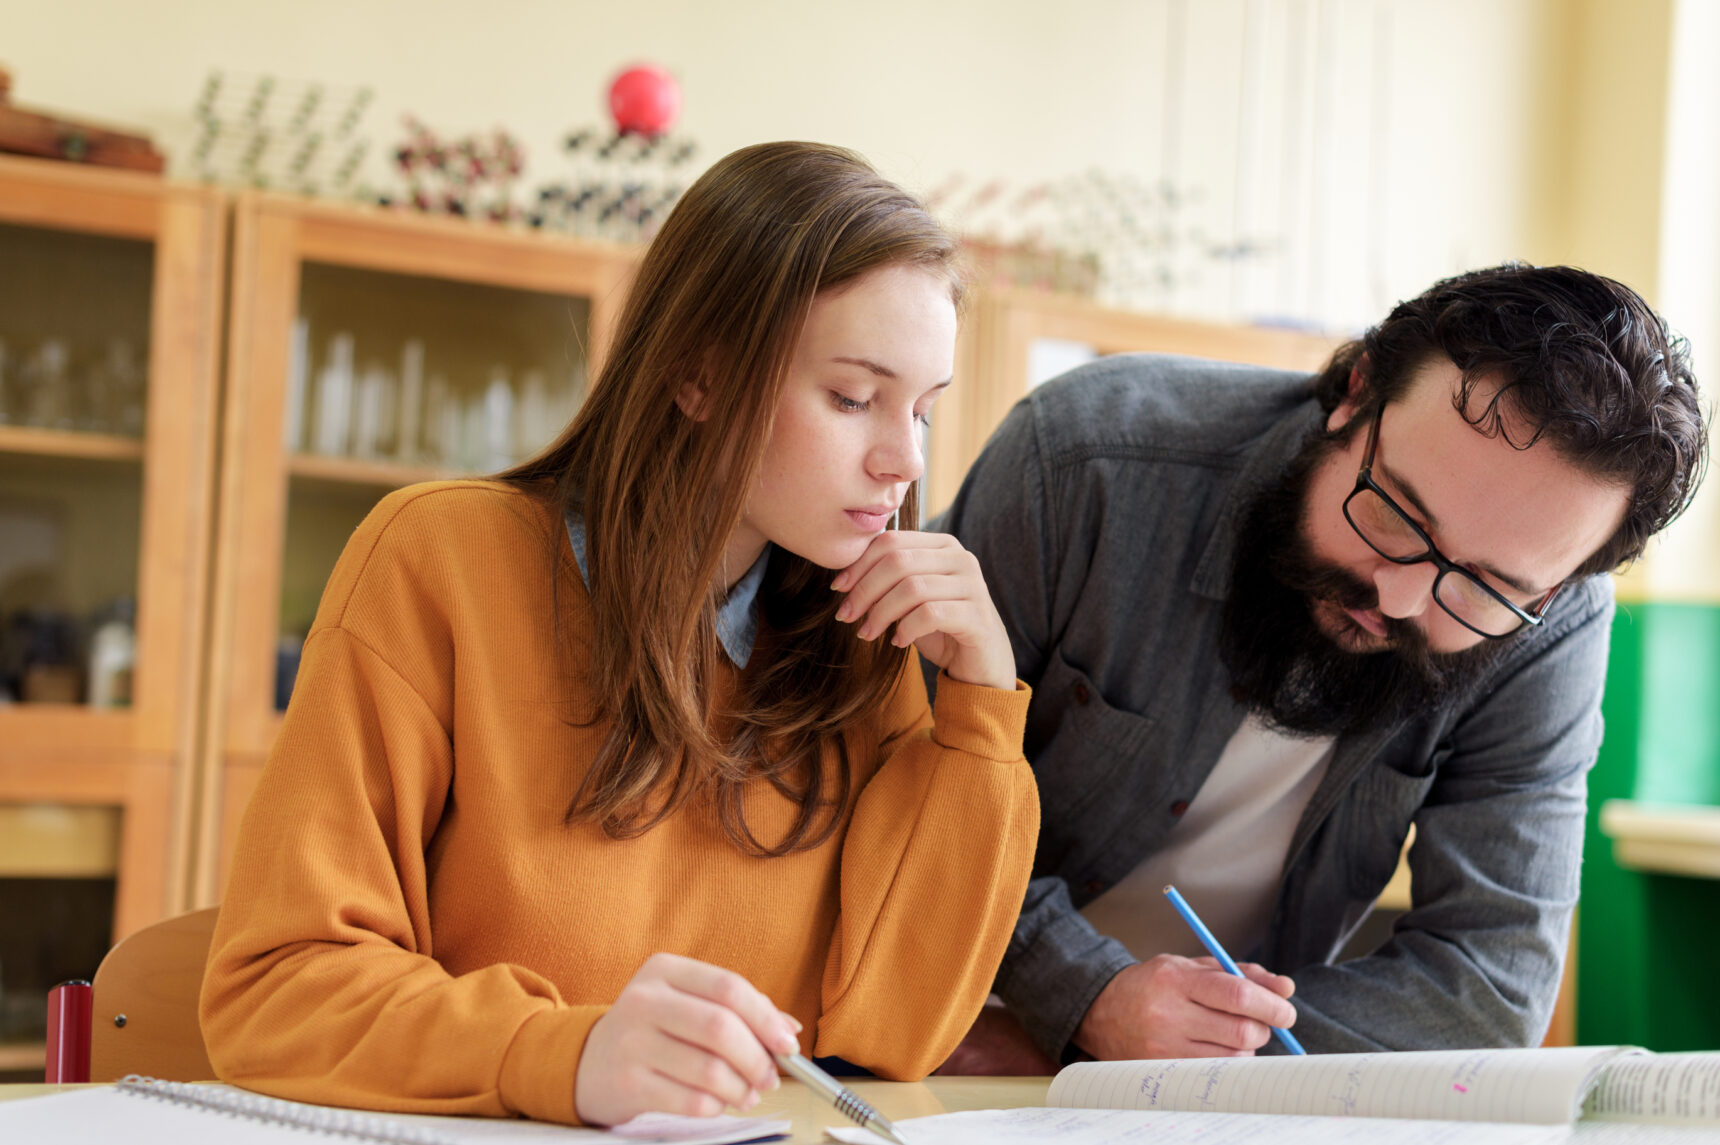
(542, 1062)
(988, 722)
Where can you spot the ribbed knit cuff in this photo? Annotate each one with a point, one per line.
(987, 722)
(542, 1061)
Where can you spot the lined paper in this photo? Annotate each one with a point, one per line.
(104, 1115)
(1130, 1127)
(1539, 1086)
(1664, 1088)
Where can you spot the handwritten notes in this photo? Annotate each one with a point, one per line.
(1665, 1088)
(1530, 1086)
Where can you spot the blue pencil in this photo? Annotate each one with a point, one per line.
(1224, 960)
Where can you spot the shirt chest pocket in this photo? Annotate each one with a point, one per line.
(1379, 809)
(1084, 752)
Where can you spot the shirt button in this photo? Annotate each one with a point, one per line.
(1179, 807)
(1082, 695)
(1093, 886)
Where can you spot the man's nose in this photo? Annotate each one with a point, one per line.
(1405, 590)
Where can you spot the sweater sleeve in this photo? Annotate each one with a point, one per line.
(935, 862)
(322, 983)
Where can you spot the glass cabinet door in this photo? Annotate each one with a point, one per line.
(369, 350)
(394, 379)
(74, 348)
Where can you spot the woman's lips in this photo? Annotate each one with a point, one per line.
(869, 520)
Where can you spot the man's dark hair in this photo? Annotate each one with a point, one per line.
(1585, 364)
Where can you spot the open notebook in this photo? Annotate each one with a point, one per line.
(1541, 1086)
(139, 1111)
(1466, 1097)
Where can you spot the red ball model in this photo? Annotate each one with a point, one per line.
(644, 100)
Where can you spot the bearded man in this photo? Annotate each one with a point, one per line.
(1271, 621)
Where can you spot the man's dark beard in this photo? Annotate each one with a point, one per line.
(1285, 668)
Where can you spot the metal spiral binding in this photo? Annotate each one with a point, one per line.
(853, 1107)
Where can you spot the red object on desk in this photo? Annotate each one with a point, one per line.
(69, 1014)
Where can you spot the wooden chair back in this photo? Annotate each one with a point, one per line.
(144, 1006)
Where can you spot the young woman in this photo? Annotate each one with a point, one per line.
(606, 779)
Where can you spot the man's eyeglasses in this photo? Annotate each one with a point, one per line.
(1388, 530)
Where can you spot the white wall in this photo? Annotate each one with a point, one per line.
(1376, 144)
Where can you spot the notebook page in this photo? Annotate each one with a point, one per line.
(106, 1115)
(1587, 1132)
(1541, 1086)
(1129, 1127)
(1665, 1087)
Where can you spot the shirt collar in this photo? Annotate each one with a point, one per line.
(1265, 464)
(737, 615)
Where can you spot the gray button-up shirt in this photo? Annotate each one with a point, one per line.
(1104, 513)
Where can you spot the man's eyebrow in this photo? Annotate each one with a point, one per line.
(867, 364)
(1431, 524)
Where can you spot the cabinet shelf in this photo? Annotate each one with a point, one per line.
(30, 730)
(373, 474)
(69, 444)
(16, 1057)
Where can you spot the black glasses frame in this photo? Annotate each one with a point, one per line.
(1365, 483)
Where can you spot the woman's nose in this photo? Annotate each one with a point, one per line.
(900, 455)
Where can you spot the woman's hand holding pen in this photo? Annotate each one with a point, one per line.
(684, 1037)
(931, 589)
(1174, 1007)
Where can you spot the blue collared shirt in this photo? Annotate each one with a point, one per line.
(737, 616)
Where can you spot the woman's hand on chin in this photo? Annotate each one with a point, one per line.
(931, 590)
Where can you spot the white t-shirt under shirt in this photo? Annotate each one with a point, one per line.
(1225, 854)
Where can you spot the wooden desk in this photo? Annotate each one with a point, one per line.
(895, 1100)
(899, 1100)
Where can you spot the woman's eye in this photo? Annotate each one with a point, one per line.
(848, 404)
(924, 420)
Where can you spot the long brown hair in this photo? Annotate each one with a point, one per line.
(719, 301)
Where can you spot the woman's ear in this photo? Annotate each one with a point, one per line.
(694, 396)
(1355, 396)
(691, 399)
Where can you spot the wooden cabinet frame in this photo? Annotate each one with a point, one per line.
(141, 758)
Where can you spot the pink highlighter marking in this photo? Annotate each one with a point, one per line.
(1459, 1088)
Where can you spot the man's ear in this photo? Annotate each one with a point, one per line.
(1355, 396)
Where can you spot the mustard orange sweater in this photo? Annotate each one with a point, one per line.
(409, 925)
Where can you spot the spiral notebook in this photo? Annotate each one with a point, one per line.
(143, 1111)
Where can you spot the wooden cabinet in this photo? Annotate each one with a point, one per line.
(1002, 330)
(367, 350)
(110, 287)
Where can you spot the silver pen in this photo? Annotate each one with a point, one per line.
(839, 1095)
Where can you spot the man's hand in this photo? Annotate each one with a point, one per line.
(684, 1037)
(1173, 1007)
